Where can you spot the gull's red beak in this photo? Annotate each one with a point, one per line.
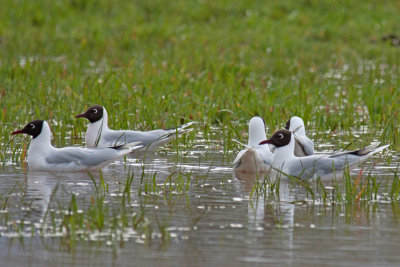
(80, 115)
(265, 142)
(18, 132)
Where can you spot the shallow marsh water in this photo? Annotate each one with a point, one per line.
(195, 211)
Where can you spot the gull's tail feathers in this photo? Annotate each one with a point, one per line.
(182, 128)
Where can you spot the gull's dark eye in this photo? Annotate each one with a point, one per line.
(95, 111)
(32, 125)
(280, 136)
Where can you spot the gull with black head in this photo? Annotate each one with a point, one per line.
(42, 156)
(314, 166)
(99, 135)
(255, 157)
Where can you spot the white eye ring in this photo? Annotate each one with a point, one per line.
(280, 136)
(95, 110)
(32, 125)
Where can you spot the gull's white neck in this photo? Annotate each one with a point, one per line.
(95, 130)
(39, 146)
(43, 139)
(256, 132)
(283, 154)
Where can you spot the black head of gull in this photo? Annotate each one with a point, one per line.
(33, 128)
(93, 113)
(279, 138)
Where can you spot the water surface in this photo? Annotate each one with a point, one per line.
(199, 212)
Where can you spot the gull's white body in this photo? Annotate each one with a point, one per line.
(304, 145)
(42, 156)
(324, 166)
(99, 135)
(255, 158)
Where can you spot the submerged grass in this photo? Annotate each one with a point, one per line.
(347, 189)
(347, 196)
(106, 216)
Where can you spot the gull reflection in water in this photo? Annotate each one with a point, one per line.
(269, 210)
(44, 188)
(281, 210)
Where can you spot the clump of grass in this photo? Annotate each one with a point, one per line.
(266, 186)
(177, 183)
(161, 72)
(102, 219)
(348, 190)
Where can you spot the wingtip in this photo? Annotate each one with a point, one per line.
(136, 147)
(379, 149)
(184, 130)
(383, 147)
(186, 125)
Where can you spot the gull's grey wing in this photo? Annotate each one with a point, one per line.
(89, 157)
(361, 152)
(303, 146)
(146, 138)
(299, 149)
(236, 162)
(263, 152)
(251, 160)
(266, 155)
(323, 166)
(310, 166)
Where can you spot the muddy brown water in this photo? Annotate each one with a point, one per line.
(218, 221)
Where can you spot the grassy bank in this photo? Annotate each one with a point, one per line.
(159, 63)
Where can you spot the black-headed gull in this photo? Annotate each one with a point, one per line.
(99, 135)
(42, 156)
(255, 157)
(304, 145)
(324, 166)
